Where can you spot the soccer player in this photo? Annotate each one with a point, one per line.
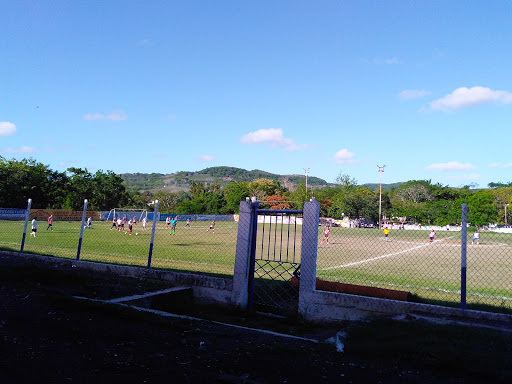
(119, 220)
(134, 220)
(173, 225)
(144, 221)
(188, 222)
(89, 223)
(50, 223)
(386, 233)
(432, 235)
(167, 222)
(114, 225)
(130, 226)
(327, 231)
(476, 237)
(34, 226)
(212, 227)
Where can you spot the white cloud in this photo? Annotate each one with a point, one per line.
(273, 137)
(344, 157)
(22, 149)
(7, 128)
(466, 97)
(450, 166)
(206, 158)
(112, 116)
(409, 94)
(495, 165)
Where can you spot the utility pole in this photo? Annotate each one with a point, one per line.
(381, 171)
(306, 170)
(506, 205)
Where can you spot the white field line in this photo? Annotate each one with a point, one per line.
(382, 256)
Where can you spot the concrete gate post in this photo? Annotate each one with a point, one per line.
(239, 296)
(307, 284)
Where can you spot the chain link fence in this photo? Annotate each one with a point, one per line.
(203, 244)
(445, 270)
(425, 265)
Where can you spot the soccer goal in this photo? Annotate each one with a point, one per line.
(127, 213)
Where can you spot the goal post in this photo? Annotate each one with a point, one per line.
(127, 213)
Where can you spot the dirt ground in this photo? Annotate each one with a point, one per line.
(48, 336)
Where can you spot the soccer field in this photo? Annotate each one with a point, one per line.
(407, 261)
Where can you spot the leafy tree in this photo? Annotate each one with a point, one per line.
(108, 191)
(24, 179)
(142, 200)
(167, 201)
(503, 201)
(196, 189)
(355, 204)
(262, 188)
(80, 188)
(345, 181)
(234, 193)
(415, 191)
(481, 208)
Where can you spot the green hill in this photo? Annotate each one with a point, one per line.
(180, 181)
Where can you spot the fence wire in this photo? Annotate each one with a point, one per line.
(409, 261)
(404, 261)
(189, 247)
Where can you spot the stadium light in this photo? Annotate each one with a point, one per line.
(306, 170)
(381, 171)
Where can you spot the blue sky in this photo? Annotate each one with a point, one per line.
(422, 87)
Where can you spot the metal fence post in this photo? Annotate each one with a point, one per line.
(27, 214)
(153, 229)
(463, 250)
(81, 230)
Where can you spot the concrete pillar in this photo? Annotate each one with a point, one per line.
(239, 295)
(309, 253)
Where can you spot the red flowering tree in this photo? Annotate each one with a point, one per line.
(276, 202)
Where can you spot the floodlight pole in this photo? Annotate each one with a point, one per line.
(306, 170)
(381, 171)
(506, 214)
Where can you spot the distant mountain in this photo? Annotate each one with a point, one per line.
(181, 181)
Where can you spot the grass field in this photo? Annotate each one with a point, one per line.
(407, 261)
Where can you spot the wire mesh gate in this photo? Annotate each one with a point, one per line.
(275, 260)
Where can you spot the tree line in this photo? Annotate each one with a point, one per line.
(418, 201)
(24, 179)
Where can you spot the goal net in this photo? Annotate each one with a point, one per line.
(127, 213)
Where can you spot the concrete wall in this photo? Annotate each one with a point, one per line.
(320, 307)
(206, 289)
